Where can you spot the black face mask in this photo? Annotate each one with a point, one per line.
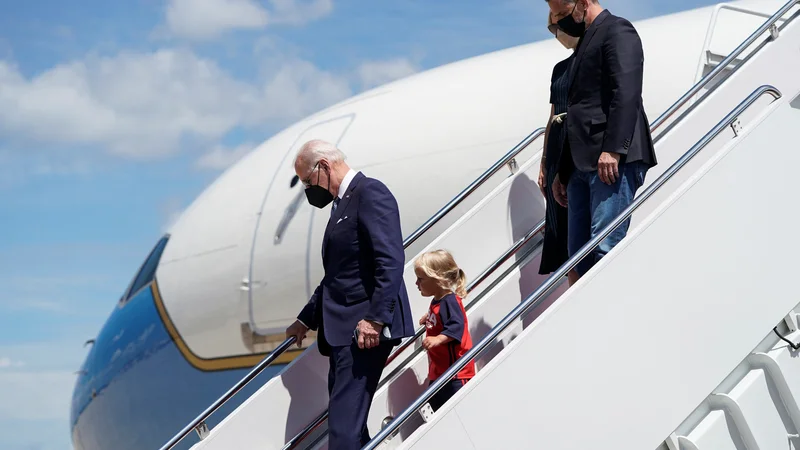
(571, 27)
(317, 195)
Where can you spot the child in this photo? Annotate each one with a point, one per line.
(447, 331)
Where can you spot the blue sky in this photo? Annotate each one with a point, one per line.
(115, 115)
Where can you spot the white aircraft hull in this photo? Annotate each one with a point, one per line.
(243, 258)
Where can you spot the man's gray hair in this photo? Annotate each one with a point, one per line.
(313, 151)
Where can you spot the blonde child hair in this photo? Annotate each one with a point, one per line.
(440, 266)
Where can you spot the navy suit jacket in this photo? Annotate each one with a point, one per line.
(363, 258)
(605, 112)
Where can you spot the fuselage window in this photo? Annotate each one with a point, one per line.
(148, 270)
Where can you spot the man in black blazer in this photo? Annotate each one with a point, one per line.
(361, 308)
(608, 147)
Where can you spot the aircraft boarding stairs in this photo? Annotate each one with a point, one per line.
(637, 346)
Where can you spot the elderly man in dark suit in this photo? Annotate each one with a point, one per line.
(361, 307)
(608, 147)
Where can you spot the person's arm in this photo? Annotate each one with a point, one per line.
(379, 217)
(307, 316)
(452, 322)
(305, 320)
(624, 59)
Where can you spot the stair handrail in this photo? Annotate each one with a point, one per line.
(506, 159)
(535, 298)
(199, 423)
(655, 125)
(483, 276)
(766, 26)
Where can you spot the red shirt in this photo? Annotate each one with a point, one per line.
(447, 316)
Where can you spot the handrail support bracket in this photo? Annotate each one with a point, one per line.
(202, 430)
(513, 166)
(736, 126)
(774, 31)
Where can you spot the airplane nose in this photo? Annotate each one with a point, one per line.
(128, 338)
(135, 389)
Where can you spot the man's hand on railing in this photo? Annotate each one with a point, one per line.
(298, 330)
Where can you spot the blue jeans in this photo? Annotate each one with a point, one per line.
(593, 205)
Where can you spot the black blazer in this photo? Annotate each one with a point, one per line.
(605, 112)
(363, 258)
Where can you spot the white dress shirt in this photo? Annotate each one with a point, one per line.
(346, 182)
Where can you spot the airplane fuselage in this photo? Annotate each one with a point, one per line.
(219, 289)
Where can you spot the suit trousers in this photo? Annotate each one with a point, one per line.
(352, 380)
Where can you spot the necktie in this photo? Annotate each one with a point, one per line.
(335, 204)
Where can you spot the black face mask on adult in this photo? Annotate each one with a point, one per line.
(570, 26)
(317, 195)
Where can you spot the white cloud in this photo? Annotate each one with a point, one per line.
(209, 19)
(376, 73)
(300, 12)
(221, 157)
(147, 104)
(136, 104)
(299, 87)
(6, 363)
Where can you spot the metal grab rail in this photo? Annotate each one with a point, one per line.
(518, 245)
(655, 125)
(319, 420)
(472, 187)
(535, 298)
(199, 423)
(769, 25)
(766, 26)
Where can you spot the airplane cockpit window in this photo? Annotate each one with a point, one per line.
(294, 181)
(147, 272)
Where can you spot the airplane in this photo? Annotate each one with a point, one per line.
(216, 292)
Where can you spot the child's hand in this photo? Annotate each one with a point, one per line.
(431, 342)
(423, 320)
